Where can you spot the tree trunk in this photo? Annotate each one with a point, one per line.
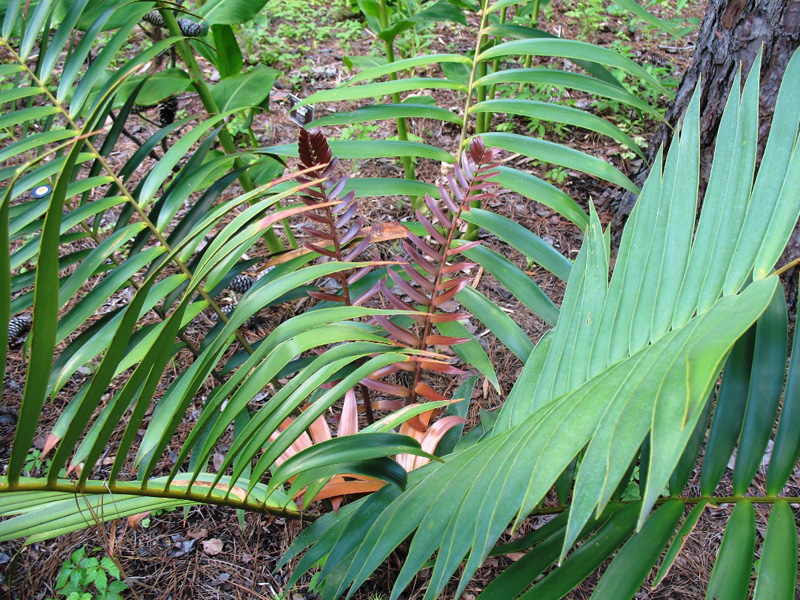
(733, 31)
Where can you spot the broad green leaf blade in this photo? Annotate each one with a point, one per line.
(345, 449)
(35, 140)
(371, 149)
(787, 443)
(587, 288)
(501, 325)
(382, 468)
(646, 15)
(518, 404)
(587, 557)
(527, 242)
(675, 418)
(471, 352)
(557, 154)
(679, 191)
(33, 25)
(728, 412)
(45, 321)
(541, 191)
(521, 32)
(774, 195)
(383, 88)
(724, 211)
(729, 184)
(584, 83)
(365, 187)
(730, 578)
(386, 186)
(408, 63)
(516, 282)
(378, 112)
(230, 12)
(27, 115)
(229, 58)
(13, 94)
(555, 113)
(5, 279)
(636, 559)
(777, 573)
(764, 394)
(677, 543)
(10, 17)
(245, 89)
(572, 49)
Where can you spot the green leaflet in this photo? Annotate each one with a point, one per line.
(629, 360)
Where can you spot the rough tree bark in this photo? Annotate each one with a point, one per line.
(732, 33)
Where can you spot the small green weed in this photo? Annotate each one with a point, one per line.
(590, 14)
(310, 22)
(628, 119)
(34, 465)
(557, 175)
(537, 127)
(85, 577)
(357, 131)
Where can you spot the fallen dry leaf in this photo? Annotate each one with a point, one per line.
(213, 546)
(197, 534)
(135, 520)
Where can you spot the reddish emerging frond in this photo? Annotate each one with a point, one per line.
(428, 279)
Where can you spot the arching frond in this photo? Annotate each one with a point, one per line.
(632, 360)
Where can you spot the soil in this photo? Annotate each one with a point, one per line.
(208, 552)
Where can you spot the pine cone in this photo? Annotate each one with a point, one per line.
(240, 284)
(188, 28)
(154, 18)
(136, 109)
(192, 29)
(252, 323)
(18, 328)
(167, 111)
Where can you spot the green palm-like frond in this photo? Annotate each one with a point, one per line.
(475, 79)
(627, 371)
(79, 232)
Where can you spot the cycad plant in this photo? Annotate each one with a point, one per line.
(80, 235)
(475, 79)
(119, 265)
(626, 381)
